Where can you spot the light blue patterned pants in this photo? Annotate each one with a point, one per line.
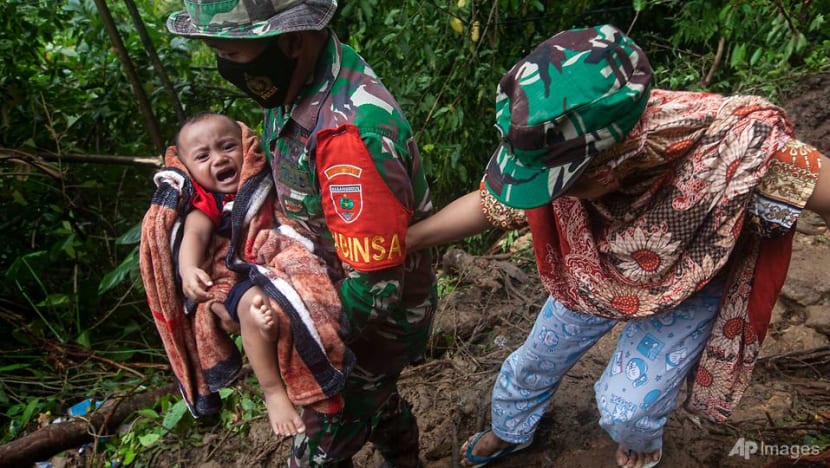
(637, 390)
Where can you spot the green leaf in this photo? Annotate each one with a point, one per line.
(55, 300)
(68, 246)
(148, 413)
(12, 367)
(174, 415)
(248, 404)
(801, 42)
(21, 264)
(117, 275)
(816, 23)
(788, 49)
(129, 456)
(133, 236)
(71, 119)
(440, 112)
(147, 440)
(83, 339)
(755, 57)
(19, 198)
(225, 392)
(639, 5)
(29, 410)
(366, 9)
(738, 55)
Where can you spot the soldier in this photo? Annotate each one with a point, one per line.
(346, 165)
(670, 211)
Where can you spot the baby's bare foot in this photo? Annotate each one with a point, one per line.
(285, 420)
(264, 317)
(630, 459)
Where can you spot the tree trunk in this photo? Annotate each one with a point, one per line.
(141, 96)
(55, 438)
(154, 59)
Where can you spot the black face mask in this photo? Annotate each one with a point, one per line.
(265, 79)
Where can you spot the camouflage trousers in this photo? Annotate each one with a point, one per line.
(374, 411)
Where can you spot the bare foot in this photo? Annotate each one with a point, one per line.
(285, 420)
(487, 445)
(264, 317)
(630, 459)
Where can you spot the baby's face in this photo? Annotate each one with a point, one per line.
(211, 150)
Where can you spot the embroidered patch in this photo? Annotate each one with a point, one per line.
(347, 192)
(293, 206)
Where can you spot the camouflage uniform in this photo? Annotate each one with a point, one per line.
(346, 165)
(390, 308)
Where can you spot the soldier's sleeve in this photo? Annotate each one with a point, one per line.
(367, 200)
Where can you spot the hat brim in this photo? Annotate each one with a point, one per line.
(307, 16)
(520, 186)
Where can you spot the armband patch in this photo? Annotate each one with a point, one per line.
(367, 222)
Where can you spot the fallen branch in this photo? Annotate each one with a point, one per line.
(799, 358)
(32, 158)
(55, 438)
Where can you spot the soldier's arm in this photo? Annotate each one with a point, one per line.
(368, 202)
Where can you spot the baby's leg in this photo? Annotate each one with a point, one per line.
(225, 320)
(261, 350)
(819, 201)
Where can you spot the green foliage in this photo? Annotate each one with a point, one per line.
(148, 430)
(765, 43)
(447, 284)
(169, 425)
(71, 288)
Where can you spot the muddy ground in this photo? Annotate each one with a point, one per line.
(491, 310)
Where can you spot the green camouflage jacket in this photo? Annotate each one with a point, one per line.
(345, 163)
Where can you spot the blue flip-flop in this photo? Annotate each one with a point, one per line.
(480, 460)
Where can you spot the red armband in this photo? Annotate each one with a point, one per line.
(367, 222)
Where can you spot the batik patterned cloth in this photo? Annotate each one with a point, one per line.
(785, 188)
(676, 216)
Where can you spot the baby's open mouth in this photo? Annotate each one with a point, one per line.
(226, 174)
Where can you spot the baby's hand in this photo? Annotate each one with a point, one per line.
(195, 282)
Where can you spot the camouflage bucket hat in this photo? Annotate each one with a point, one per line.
(575, 95)
(250, 19)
